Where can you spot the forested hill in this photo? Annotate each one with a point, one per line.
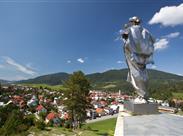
(51, 79)
(117, 75)
(4, 81)
(108, 76)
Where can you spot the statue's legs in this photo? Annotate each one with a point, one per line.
(137, 76)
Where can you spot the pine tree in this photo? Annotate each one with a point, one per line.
(76, 97)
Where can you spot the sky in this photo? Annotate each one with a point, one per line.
(39, 37)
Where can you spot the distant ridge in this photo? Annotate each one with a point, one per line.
(4, 81)
(97, 79)
(51, 79)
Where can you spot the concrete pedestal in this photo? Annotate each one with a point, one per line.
(153, 125)
(144, 108)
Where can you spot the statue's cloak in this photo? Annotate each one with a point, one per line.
(138, 50)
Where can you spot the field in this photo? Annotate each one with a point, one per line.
(53, 87)
(100, 128)
(180, 113)
(178, 96)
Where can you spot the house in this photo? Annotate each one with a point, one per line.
(115, 108)
(103, 103)
(56, 101)
(41, 99)
(100, 112)
(109, 110)
(16, 99)
(53, 118)
(22, 104)
(66, 116)
(1, 104)
(33, 101)
(114, 103)
(96, 104)
(41, 109)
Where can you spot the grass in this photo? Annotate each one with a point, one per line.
(178, 96)
(51, 131)
(100, 128)
(180, 113)
(109, 86)
(53, 87)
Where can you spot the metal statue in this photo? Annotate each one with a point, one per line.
(138, 50)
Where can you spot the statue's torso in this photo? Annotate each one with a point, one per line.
(140, 44)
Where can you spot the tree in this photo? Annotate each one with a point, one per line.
(5, 113)
(76, 96)
(13, 121)
(0, 86)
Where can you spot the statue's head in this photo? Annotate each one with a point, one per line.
(135, 20)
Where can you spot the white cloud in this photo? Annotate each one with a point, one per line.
(172, 35)
(18, 66)
(120, 62)
(169, 16)
(29, 66)
(80, 60)
(14, 78)
(161, 44)
(68, 61)
(164, 41)
(18, 77)
(153, 66)
(1, 66)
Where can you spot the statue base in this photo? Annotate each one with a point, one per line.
(141, 108)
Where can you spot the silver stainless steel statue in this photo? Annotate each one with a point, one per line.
(138, 50)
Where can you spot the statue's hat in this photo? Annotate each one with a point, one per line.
(134, 19)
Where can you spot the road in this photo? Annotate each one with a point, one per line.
(102, 118)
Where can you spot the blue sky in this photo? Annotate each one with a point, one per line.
(39, 37)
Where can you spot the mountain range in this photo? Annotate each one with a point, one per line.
(109, 80)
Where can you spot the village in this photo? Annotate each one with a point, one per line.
(50, 103)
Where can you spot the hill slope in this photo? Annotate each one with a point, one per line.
(51, 79)
(117, 75)
(4, 81)
(109, 80)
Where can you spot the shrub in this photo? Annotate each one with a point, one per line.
(171, 103)
(21, 128)
(29, 120)
(5, 113)
(50, 123)
(13, 120)
(67, 124)
(40, 125)
(181, 106)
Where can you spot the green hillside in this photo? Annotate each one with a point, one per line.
(114, 80)
(4, 81)
(108, 76)
(51, 79)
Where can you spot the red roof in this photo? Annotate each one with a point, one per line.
(39, 107)
(17, 98)
(103, 102)
(99, 110)
(66, 116)
(51, 116)
(114, 102)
